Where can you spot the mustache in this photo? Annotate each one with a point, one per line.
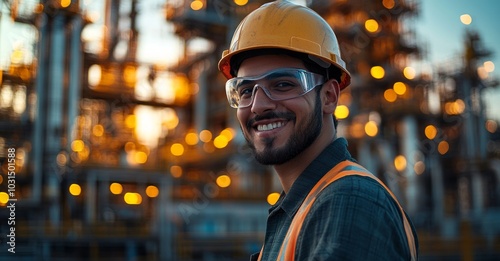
(269, 116)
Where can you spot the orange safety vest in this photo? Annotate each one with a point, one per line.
(345, 168)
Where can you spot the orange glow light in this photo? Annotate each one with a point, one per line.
(220, 141)
(390, 95)
(196, 5)
(228, 133)
(98, 130)
(241, 2)
(223, 181)
(371, 129)
(140, 157)
(75, 189)
(177, 149)
(116, 188)
(4, 198)
(77, 145)
(205, 136)
(491, 126)
(443, 147)
(377, 72)
(191, 138)
(132, 198)
(65, 3)
(273, 198)
(152, 191)
(400, 162)
(399, 88)
(389, 4)
(371, 25)
(430, 132)
(341, 112)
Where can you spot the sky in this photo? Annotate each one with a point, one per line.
(438, 25)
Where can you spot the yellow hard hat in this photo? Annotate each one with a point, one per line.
(284, 25)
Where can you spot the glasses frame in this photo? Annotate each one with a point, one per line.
(308, 81)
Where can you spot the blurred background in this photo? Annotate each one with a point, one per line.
(117, 142)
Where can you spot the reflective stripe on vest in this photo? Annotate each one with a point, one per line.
(345, 168)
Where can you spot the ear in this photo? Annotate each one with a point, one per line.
(330, 93)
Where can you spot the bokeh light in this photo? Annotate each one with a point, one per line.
(75, 189)
(341, 112)
(443, 147)
(399, 88)
(371, 25)
(400, 163)
(197, 5)
(223, 181)
(115, 188)
(272, 198)
(409, 73)
(132, 198)
(205, 136)
(390, 95)
(377, 72)
(152, 191)
(371, 128)
(177, 149)
(430, 132)
(466, 19)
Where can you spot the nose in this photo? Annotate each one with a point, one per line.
(261, 101)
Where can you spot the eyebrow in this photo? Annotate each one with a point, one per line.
(270, 75)
(274, 75)
(243, 81)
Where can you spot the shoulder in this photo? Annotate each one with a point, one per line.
(354, 198)
(354, 217)
(354, 187)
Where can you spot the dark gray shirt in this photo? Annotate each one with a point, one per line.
(354, 218)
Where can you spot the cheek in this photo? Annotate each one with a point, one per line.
(302, 108)
(242, 116)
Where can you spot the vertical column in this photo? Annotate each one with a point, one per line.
(56, 85)
(471, 138)
(409, 140)
(91, 198)
(165, 218)
(437, 188)
(201, 104)
(481, 129)
(40, 112)
(75, 75)
(477, 188)
(55, 108)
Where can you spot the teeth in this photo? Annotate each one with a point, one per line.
(269, 126)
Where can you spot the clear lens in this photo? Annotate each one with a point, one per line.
(281, 84)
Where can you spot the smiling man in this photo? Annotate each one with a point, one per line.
(285, 74)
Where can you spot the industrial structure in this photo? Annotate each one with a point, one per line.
(121, 159)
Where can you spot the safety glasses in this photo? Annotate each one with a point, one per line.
(278, 85)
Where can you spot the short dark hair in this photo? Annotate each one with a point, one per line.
(331, 72)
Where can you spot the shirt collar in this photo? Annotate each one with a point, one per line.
(333, 154)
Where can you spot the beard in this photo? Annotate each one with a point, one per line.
(298, 142)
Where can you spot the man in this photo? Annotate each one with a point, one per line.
(284, 75)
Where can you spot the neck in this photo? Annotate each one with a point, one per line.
(289, 171)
